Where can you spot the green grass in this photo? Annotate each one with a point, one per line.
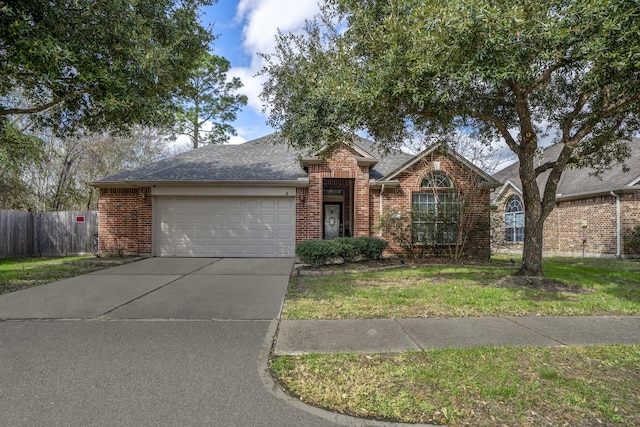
(593, 287)
(21, 273)
(485, 386)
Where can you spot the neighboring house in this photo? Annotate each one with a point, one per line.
(592, 215)
(261, 197)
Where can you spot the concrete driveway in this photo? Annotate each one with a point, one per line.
(161, 288)
(159, 342)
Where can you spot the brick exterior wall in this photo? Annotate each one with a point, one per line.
(341, 165)
(125, 214)
(629, 218)
(564, 232)
(475, 200)
(302, 215)
(125, 221)
(574, 225)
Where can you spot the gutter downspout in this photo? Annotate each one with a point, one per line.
(618, 235)
(380, 215)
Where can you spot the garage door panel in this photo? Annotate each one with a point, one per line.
(216, 250)
(267, 218)
(267, 234)
(284, 249)
(285, 235)
(251, 234)
(224, 226)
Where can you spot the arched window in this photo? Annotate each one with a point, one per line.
(436, 180)
(435, 211)
(514, 220)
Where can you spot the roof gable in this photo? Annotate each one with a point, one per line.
(577, 182)
(364, 150)
(503, 189)
(451, 153)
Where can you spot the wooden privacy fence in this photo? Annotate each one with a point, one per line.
(48, 233)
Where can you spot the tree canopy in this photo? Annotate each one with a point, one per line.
(208, 102)
(97, 65)
(510, 70)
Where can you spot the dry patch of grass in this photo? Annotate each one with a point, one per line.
(474, 387)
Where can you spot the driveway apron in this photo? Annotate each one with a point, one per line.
(157, 342)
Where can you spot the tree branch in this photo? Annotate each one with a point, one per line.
(43, 107)
(619, 105)
(588, 126)
(568, 122)
(513, 145)
(544, 167)
(546, 76)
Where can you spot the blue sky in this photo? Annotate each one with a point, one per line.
(244, 28)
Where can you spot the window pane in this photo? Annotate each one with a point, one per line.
(434, 217)
(437, 180)
(514, 220)
(509, 220)
(514, 204)
(508, 234)
(518, 220)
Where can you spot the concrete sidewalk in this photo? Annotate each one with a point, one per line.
(397, 335)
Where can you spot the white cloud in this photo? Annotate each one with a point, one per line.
(261, 21)
(252, 84)
(234, 140)
(265, 17)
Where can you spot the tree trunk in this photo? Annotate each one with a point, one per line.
(532, 253)
(534, 213)
(62, 182)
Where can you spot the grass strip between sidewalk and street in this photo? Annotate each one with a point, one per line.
(487, 386)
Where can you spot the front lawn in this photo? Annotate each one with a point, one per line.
(486, 386)
(22, 273)
(580, 287)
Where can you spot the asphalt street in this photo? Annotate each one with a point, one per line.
(159, 342)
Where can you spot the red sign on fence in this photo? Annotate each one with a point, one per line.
(80, 218)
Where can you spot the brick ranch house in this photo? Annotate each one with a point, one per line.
(592, 215)
(260, 198)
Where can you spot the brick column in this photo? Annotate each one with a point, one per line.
(361, 203)
(314, 201)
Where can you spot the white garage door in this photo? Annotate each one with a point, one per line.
(224, 226)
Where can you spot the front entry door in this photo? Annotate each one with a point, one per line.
(332, 221)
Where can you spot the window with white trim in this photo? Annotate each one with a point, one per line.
(514, 220)
(435, 211)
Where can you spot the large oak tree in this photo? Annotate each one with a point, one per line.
(514, 70)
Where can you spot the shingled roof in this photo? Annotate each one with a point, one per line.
(266, 159)
(578, 182)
